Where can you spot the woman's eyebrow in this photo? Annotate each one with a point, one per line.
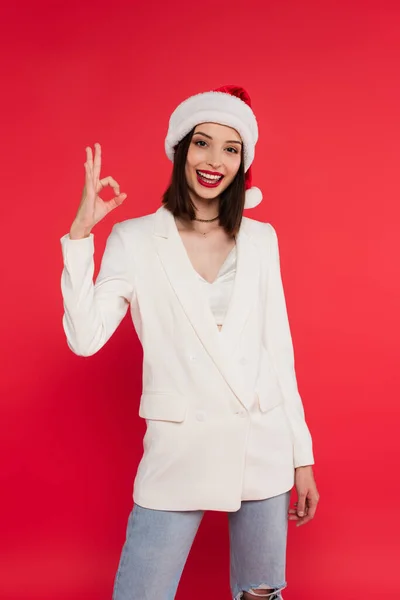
(210, 138)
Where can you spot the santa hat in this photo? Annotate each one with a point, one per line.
(229, 105)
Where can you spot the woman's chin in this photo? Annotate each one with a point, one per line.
(205, 194)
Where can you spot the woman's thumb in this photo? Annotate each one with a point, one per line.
(120, 198)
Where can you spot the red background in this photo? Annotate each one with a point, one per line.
(324, 79)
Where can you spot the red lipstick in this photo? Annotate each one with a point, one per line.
(209, 183)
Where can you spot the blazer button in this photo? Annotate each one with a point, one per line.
(243, 361)
(192, 357)
(241, 413)
(200, 415)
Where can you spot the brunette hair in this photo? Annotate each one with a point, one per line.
(176, 197)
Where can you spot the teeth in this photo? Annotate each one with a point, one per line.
(210, 177)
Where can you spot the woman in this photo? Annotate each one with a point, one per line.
(225, 423)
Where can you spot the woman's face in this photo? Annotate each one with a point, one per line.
(213, 159)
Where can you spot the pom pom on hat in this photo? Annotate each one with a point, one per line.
(228, 105)
(253, 197)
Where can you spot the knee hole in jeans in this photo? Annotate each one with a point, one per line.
(262, 591)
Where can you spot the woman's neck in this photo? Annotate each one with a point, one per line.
(206, 209)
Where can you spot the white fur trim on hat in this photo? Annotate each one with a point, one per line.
(253, 197)
(213, 107)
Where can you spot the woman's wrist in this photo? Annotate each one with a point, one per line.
(77, 232)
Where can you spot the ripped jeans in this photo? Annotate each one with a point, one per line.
(158, 542)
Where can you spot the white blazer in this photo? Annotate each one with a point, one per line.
(225, 421)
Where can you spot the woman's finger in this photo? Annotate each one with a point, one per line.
(97, 161)
(88, 177)
(293, 516)
(115, 202)
(312, 503)
(89, 159)
(104, 181)
(301, 505)
(303, 520)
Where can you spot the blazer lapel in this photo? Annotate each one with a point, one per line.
(189, 292)
(183, 278)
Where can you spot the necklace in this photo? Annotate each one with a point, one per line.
(204, 233)
(206, 220)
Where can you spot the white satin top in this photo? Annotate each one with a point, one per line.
(219, 291)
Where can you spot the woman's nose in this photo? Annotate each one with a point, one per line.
(215, 161)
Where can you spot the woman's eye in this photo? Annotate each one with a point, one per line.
(200, 142)
(232, 150)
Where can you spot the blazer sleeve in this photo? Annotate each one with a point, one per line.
(93, 311)
(280, 346)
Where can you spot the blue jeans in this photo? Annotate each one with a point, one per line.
(158, 543)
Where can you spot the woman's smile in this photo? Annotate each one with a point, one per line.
(209, 178)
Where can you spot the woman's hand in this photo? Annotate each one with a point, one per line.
(92, 208)
(307, 496)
